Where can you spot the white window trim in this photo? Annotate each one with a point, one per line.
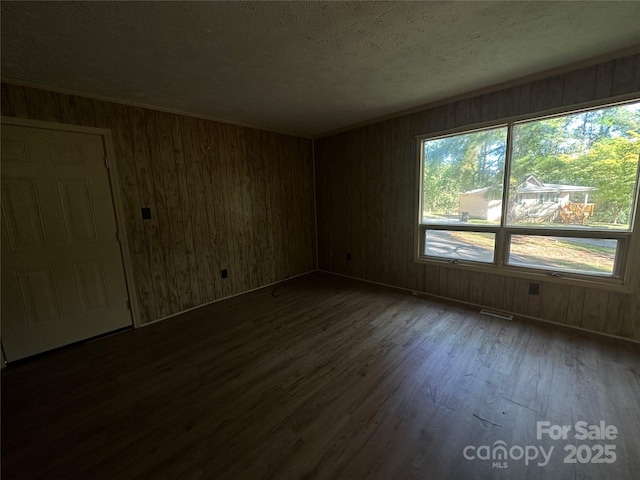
(503, 232)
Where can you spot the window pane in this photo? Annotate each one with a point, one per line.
(474, 246)
(570, 254)
(463, 177)
(576, 170)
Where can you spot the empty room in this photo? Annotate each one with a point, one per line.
(320, 240)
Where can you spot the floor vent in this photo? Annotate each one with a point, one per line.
(493, 313)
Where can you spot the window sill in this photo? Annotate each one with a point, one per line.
(605, 283)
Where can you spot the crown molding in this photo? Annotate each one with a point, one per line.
(104, 98)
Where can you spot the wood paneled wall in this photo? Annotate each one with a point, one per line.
(221, 197)
(366, 180)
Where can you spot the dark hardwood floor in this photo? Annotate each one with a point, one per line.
(328, 378)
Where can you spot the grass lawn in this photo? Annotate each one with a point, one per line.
(550, 252)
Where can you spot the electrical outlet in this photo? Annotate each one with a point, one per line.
(146, 213)
(534, 288)
(224, 273)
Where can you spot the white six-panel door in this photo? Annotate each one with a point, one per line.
(62, 270)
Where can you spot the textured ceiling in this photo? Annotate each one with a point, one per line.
(300, 67)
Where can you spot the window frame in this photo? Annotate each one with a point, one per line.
(503, 232)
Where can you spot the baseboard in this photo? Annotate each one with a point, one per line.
(456, 301)
(227, 298)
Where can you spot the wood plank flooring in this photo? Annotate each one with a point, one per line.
(326, 378)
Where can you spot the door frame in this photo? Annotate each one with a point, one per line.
(114, 186)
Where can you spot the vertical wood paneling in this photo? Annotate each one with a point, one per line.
(454, 283)
(556, 90)
(229, 197)
(554, 302)
(493, 291)
(534, 302)
(289, 183)
(191, 143)
(579, 86)
(186, 213)
(260, 243)
(617, 305)
(214, 184)
(507, 101)
(156, 167)
(489, 111)
(525, 99)
(604, 79)
(252, 211)
(406, 169)
(116, 117)
(305, 155)
(443, 281)
(462, 112)
(415, 126)
(475, 110)
(349, 173)
(437, 118)
(370, 229)
(42, 105)
(476, 287)
(243, 189)
(324, 247)
(84, 112)
(431, 279)
(286, 213)
(280, 202)
(242, 197)
(509, 290)
(268, 208)
(451, 117)
(144, 178)
(586, 88)
(221, 196)
(171, 187)
(594, 309)
(631, 325)
(626, 75)
(574, 308)
(395, 184)
(520, 296)
(17, 102)
(539, 94)
(67, 109)
(99, 114)
(280, 184)
(384, 202)
(353, 204)
(4, 105)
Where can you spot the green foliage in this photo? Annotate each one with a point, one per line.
(598, 148)
(460, 163)
(441, 187)
(610, 166)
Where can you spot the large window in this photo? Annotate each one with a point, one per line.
(552, 195)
